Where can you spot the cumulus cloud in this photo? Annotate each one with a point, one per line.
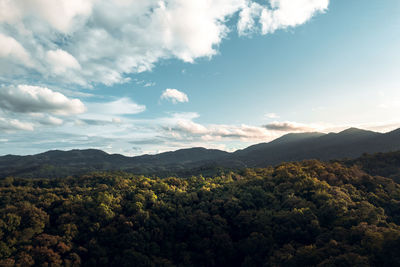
(99, 41)
(35, 99)
(277, 14)
(61, 61)
(12, 49)
(183, 126)
(61, 15)
(188, 126)
(247, 18)
(10, 125)
(91, 42)
(175, 131)
(289, 127)
(174, 96)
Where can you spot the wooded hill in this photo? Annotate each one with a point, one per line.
(350, 143)
(307, 213)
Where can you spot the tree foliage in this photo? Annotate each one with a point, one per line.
(295, 214)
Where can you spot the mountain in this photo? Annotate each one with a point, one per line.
(183, 156)
(276, 151)
(350, 143)
(57, 163)
(294, 137)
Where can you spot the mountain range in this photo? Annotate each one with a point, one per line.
(348, 144)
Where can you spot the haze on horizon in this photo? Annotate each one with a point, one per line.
(135, 77)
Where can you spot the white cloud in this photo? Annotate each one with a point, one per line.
(174, 96)
(247, 18)
(99, 41)
(118, 107)
(11, 48)
(117, 134)
(35, 99)
(280, 14)
(61, 61)
(50, 120)
(190, 127)
(61, 15)
(183, 126)
(149, 84)
(144, 83)
(10, 125)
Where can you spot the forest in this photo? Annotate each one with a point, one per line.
(307, 213)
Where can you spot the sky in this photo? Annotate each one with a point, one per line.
(147, 76)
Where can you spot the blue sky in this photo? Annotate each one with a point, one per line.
(226, 74)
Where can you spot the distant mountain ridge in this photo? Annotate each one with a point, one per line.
(350, 143)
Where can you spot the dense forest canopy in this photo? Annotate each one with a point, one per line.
(295, 214)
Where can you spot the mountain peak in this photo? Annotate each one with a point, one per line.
(349, 143)
(357, 131)
(352, 130)
(78, 153)
(292, 137)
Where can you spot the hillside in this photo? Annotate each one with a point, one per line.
(74, 162)
(295, 214)
(350, 144)
(382, 164)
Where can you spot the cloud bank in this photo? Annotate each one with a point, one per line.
(35, 99)
(288, 126)
(11, 125)
(87, 42)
